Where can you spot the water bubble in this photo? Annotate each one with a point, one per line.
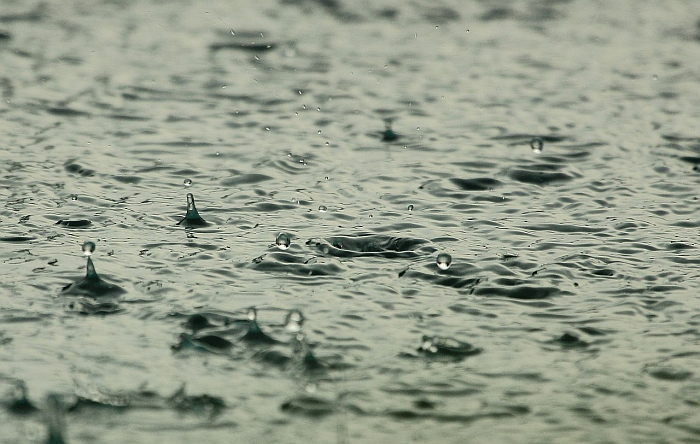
(252, 314)
(443, 261)
(429, 345)
(322, 208)
(73, 197)
(187, 183)
(294, 321)
(283, 241)
(88, 248)
(410, 208)
(536, 144)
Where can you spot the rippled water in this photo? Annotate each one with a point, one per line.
(374, 136)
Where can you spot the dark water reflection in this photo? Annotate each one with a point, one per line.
(376, 135)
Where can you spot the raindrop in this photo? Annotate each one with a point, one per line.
(410, 208)
(319, 132)
(73, 197)
(327, 178)
(88, 248)
(187, 183)
(252, 314)
(294, 321)
(283, 241)
(322, 208)
(328, 143)
(443, 261)
(437, 27)
(536, 144)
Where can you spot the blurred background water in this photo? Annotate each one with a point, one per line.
(550, 147)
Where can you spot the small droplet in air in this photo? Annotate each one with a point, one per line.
(187, 183)
(322, 208)
(88, 248)
(252, 314)
(283, 241)
(294, 321)
(410, 208)
(536, 144)
(443, 261)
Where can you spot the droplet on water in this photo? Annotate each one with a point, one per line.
(443, 261)
(410, 208)
(187, 183)
(73, 197)
(294, 321)
(322, 208)
(88, 248)
(252, 314)
(283, 241)
(536, 144)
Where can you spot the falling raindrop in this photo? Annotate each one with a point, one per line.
(283, 241)
(187, 183)
(410, 207)
(294, 321)
(252, 314)
(88, 248)
(536, 144)
(322, 208)
(73, 197)
(443, 261)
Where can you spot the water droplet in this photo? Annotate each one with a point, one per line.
(655, 77)
(443, 261)
(187, 183)
(73, 197)
(319, 132)
(410, 208)
(328, 143)
(88, 248)
(294, 321)
(322, 208)
(217, 154)
(437, 27)
(267, 128)
(318, 108)
(327, 178)
(536, 144)
(300, 92)
(283, 241)
(252, 314)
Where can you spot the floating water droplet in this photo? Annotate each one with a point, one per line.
(437, 27)
(328, 143)
(318, 108)
(267, 128)
(88, 248)
(443, 261)
(300, 92)
(410, 208)
(283, 241)
(322, 208)
(187, 183)
(327, 178)
(217, 154)
(319, 132)
(73, 197)
(294, 321)
(252, 314)
(536, 144)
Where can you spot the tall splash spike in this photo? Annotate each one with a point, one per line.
(192, 217)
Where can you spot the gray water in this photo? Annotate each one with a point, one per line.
(573, 287)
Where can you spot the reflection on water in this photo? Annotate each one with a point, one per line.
(419, 222)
